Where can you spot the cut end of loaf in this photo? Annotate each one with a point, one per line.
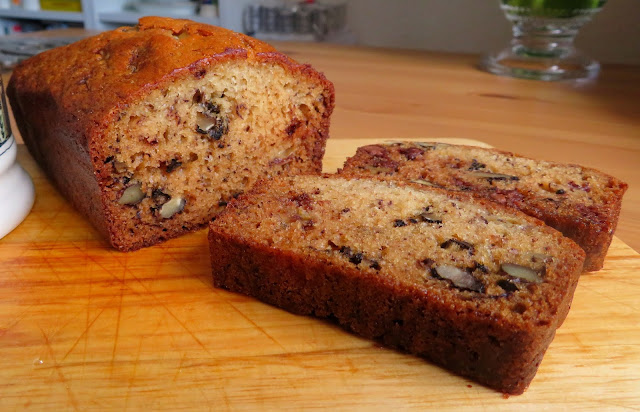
(174, 160)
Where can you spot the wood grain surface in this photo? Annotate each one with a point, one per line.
(84, 327)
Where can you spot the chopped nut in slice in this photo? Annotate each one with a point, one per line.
(173, 206)
(172, 165)
(132, 195)
(507, 285)
(541, 257)
(505, 219)
(494, 176)
(214, 127)
(205, 123)
(119, 167)
(521, 272)
(460, 243)
(430, 217)
(425, 145)
(459, 278)
(159, 197)
(399, 223)
(379, 169)
(475, 165)
(424, 182)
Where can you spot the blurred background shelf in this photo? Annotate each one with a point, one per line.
(459, 26)
(98, 15)
(131, 17)
(69, 16)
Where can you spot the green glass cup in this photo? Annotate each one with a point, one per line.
(542, 47)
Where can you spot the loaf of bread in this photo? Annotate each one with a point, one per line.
(471, 285)
(582, 203)
(150, 130)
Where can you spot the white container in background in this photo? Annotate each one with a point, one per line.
(16, 188)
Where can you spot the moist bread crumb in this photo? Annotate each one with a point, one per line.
(151, 130)
(582, 203)
(468, 284)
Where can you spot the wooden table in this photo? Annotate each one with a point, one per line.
(85, 327)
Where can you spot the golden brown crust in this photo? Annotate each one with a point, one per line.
(466, 335)
(64, 100)
(92, 79)
(590, 225)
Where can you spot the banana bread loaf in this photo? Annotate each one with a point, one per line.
(582, 203)
(150, 130)
(471, 285)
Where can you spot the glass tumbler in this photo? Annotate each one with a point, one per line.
(543, 36)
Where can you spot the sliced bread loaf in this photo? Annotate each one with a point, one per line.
(582, 203)
(470, 285)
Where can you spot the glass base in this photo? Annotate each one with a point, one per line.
(510, 62)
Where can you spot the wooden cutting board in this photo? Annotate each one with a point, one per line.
(85, 327)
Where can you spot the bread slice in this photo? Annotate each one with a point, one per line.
(150, 130)
(582, 203)
(470, 285)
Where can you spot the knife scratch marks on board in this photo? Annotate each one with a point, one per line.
(51, 267)
(184, 326)
(85, 333)
(117, 331)
(179, 368)
(207, 401)
(46, 222)
(56, 366)
(227, 400)
(4, 330)
(257, 326)
(157, 301)
(160, 263)
(87, 324)
(133, 374)
(203, 275)
(160, 303)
